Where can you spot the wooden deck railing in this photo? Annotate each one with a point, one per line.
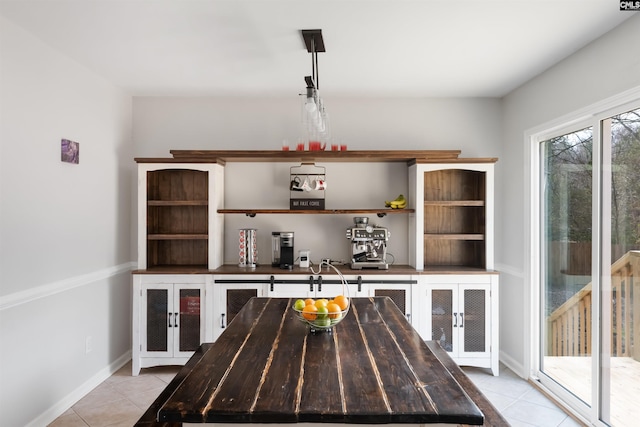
(569, 326)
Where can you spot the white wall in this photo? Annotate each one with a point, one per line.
(606, 67)
(65, 251)
(162, 124)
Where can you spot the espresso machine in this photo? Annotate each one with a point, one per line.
(282, 249)
(368, 245)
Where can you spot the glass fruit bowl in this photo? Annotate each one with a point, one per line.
(322, 314)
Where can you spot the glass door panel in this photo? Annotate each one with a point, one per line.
(620, 266)
(157, 317)
(473, 321)
(188, 322)
(566, 216)
(442, 317)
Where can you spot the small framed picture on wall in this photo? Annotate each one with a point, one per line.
(70, 151)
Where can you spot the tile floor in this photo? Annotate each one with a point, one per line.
(122, 399)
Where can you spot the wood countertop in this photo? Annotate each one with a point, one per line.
(267, 367)
(344, 269)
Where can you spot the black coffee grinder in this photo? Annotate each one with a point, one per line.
(282, 249)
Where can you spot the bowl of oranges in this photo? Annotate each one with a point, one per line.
(321, 314)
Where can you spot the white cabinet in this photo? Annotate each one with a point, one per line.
(230, 294)
(461, 311)
(168, 319)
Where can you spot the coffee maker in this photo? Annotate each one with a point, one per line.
(282, 249)
(368, 245)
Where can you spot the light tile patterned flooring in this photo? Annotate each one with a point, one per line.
(122, 399)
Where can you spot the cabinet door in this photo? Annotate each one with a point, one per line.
(230, 298)
(156, 339)
(443, 305)
(399, 294)
(188, 319)
(293, 287)
(473, 321)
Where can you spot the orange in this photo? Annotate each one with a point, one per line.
(342, 301)
(309, 301)
(334, 310)
(309, 312)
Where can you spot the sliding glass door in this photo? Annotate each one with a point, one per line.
(620, 269)
(567, 178)
(590, 267)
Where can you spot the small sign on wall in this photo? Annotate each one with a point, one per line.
(70, 151)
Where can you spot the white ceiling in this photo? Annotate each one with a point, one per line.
(428, 48)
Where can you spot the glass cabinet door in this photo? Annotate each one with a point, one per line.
(472, 321)
(189, 321)
(155, 314)
(442, 309)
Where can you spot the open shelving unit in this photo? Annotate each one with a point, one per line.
(454, 218)
(177, 217)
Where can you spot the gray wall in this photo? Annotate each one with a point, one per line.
(606, 67)
(65, 252)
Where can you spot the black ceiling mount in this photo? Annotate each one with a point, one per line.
(313, 40)
(314, 43)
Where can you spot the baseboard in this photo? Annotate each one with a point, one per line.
(513, 364)
(68, 401)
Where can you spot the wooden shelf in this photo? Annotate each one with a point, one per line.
(177, 236)
(454, 203)
(295, 156)
(177, 203)
(254, 212)
(223, 156)
(465, 236)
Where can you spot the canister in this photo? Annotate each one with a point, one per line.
(248, 247)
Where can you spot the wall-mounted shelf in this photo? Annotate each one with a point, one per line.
(223, 156)
(254, 212)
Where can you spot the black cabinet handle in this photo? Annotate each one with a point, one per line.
(359, 283)
(455, 315)
(319, 283)
(310, 283)
(170, 325)
(462, 320)
(222, 325)
(271, 280)
(175, 320)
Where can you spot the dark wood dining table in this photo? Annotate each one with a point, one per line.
(269, 367)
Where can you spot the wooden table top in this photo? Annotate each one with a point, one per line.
(267, 367)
